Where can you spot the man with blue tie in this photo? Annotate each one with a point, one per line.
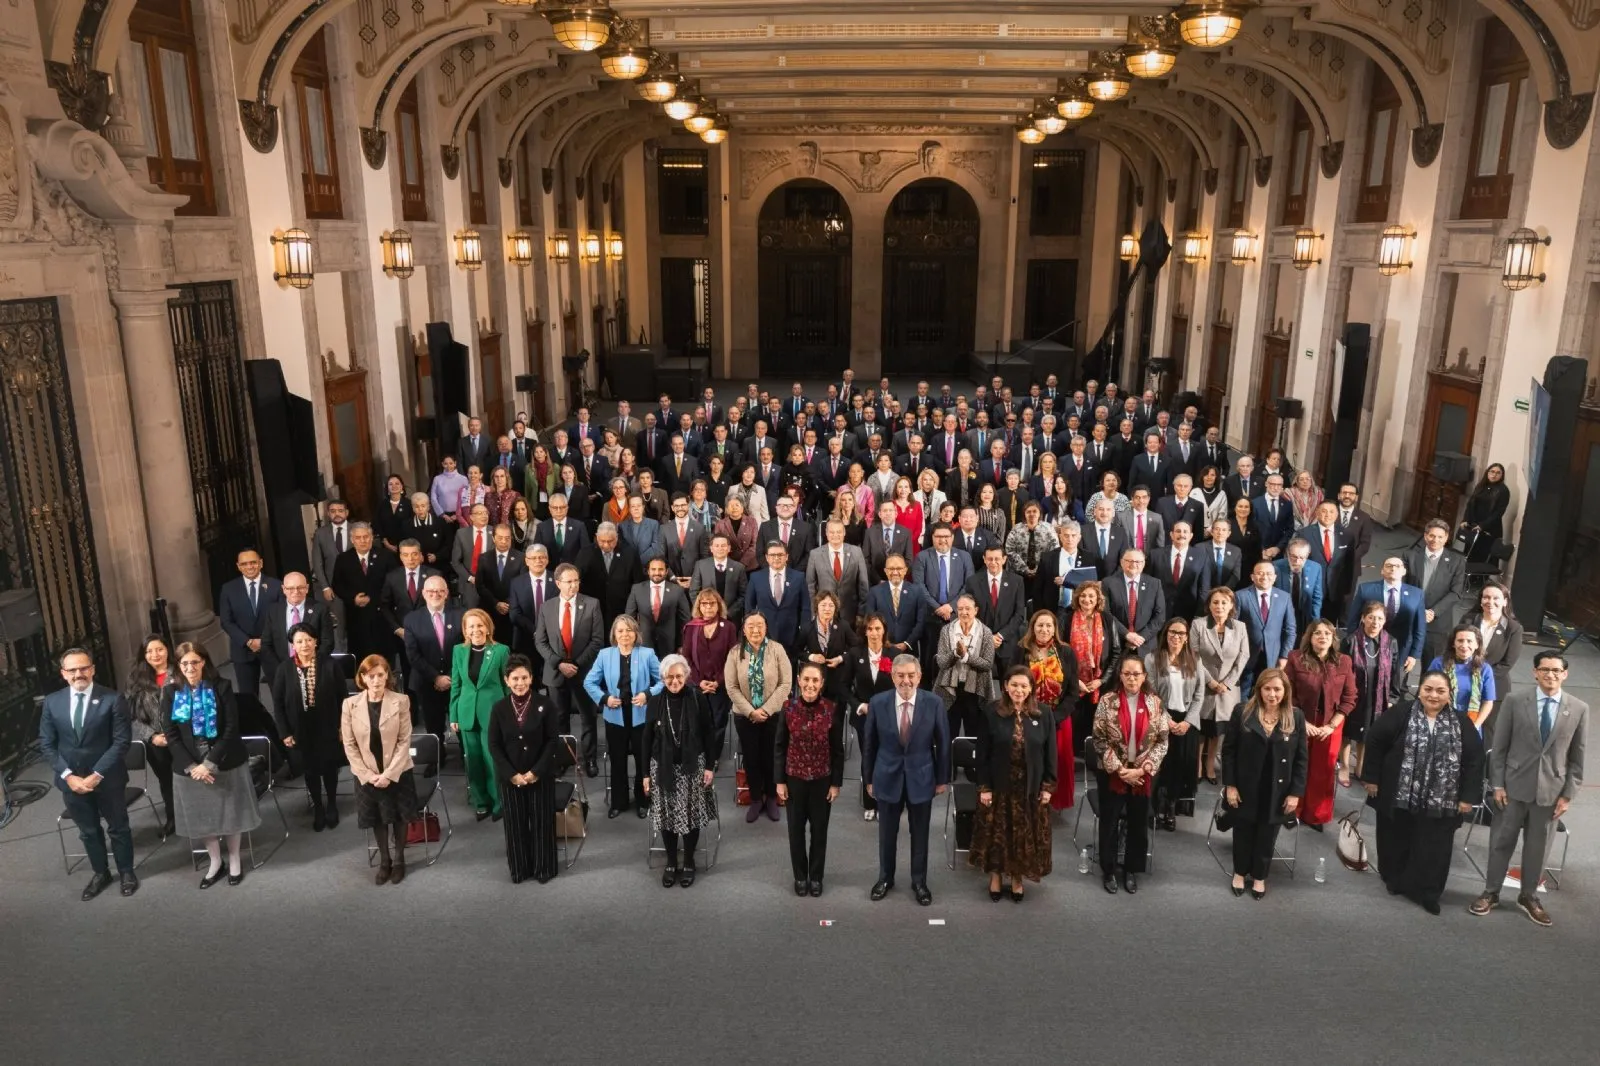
(1405, 616)
(84, 732)
(941, 573)
(1535, 769)
(1268, 619)
(905, 763)
(1274, 517)
(242, 610)
(1226, 560)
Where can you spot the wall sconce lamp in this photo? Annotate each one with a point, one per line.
(589, 248)
(1305, 248)
(469, 250)
(561, 249)
(1244, 247)
(1128, 248)
(614, 248)
(519, 248)
(292, 255)
(1394, 252)
(1194, 246)
(1521, 249)
(399, 258)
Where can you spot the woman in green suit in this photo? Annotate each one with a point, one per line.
(476, 685)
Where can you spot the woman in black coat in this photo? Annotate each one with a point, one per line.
(308, 707)
(681, 747)
(1264, 764)
(525, 744)
(1423, 771)
(1503, 645)
(211, 783)
(1483, 520)
(866, 674)
(825, 643)
(1016, 778)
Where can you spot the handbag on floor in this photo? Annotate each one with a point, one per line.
(741, 788)
(1352, 846)
(423, 829)
(572, 818)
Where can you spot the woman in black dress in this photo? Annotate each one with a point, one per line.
(1246, 536)
(394, 513)
(1264, 765)
(795, 472)
(717, 480)
(1500, 637)
(1375, 657)
(825, 643)
(680, 753)
(866, 673)
(375, 727)
(525, 744)
(1483, 520)
(152, 674)
(307, 706)
(1016, 777)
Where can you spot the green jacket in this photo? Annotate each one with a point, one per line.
(470, 703)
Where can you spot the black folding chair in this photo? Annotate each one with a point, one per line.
(425, 757)
(962, 795)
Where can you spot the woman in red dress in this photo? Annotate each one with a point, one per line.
(1054, 669)
(1323, 684)
(908, 513)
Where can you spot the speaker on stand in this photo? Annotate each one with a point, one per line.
(1288, 410)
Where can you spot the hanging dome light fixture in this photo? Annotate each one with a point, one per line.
(701, 122)
(1074, 108)
(580, 27)
(1028, 133)
(1107, 86)
(1049, 123)
(685, 105)
(1209, 25)
(1152, 61)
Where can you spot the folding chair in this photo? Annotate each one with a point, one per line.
(962, 796)
(425, 757)
(1290, 860)
(713, 849)
(1551, 872)
(134, 762)
(1480, 815)
(1091, 802)
(258, 754)
(565, 790)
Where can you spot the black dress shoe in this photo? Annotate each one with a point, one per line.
(802, 888)
(816, 888)
(881, 889)
(924, 897)
(669, 877)
(1016, 895)
(130, 882)
(170, 828)
(234, 879)
(1315, 828)
(1109, 883)
(686, 877)
(319, 821)
(1237, 890)
(482, 815)
(995, 894)
(1130, 882)
(591, 768)
(1258, 893)
(642, 809)
(208, 881)
(610, 813)
(97, 884)
(333, 816)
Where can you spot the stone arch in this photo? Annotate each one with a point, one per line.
(536, 106)
(1240, 116)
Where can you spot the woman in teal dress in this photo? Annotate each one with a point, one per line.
(477, 683)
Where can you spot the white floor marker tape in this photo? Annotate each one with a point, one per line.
(825, 922)
(935, 921)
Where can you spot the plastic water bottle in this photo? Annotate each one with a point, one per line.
(1322, 870)
(1083, 861)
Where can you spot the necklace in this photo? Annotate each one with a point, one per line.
(520, 705)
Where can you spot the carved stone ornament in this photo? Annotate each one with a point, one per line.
(982, 164)
(1209, 177)
(1263, 171)
(1138, 196)
(580, 187)
(1426, 141)
(605, 192)
(506, 170)
(757, 163)
(1565, 118)
(1172, 190)
(547, 179)
(450, 160)
(1332, 158)
(260, 122)
(375, 146)
(16, 208)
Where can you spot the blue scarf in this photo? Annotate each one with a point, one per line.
(198, 707)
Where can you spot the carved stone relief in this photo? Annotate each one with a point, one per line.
(374, 146)
(450, 160)
(1332, 158)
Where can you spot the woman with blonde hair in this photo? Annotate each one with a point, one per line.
(375, 726)
(476, 685)
(621, 681)
(1263, 777)
(500, 497)
(470, 495)
(847, 510)
(861, 497)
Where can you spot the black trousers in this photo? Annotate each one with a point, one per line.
(109, 802)
(758, 744)
(621, 742)
(919, 815)
(859, 723)
(530, 823)
(1414, 854)
(247, 677)
(721, 707)
(318, 781)
(966, 715)
(159, 759)
(568, 696)
(1253, 843)
(1113, 806)
(808, 804)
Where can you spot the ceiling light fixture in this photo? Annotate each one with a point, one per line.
(683, 106)
(1048, 123)
(1153, 61)
(1209, 25)
(1107, 86)
(659, 85)
(1028, 133)
(1074, 108)
(580, 27)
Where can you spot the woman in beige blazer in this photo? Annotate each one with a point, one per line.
(1222, 646)
(376, 728)
(758, 678)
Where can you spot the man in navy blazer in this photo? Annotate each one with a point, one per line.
(573, 536)
(84, 732)
(1274, 517)
(788, 611)
(528, 593)
(1331, 547)
(1271, 637)
(905, 762)
(905, 606)
(428, 657)
(242, 610)
(1297, 562)
(1407, 611)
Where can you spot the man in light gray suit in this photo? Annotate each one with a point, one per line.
(1535, 769)
(473, 542)
(723, 575)
(835, 557)
(327, 544)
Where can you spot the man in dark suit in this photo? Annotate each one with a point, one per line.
(784, 527)
(1441, 574)
(1152, 469)
(723, 575)
(496, 574)
(882, 539)
(1184, 505)
(972, 537)
(1331, 549)
(242, 609)
(610, 568)
(402, 588)
(592, 468)
(661, 608)
(1269, 624)
(1225, 561)
(942, 572)
(780, 595)
(1358, 526)
(917, 459)
(568, 637)
(529, 592)
(1083, 477)
(84, 733)
(1002, 598)
(1274, 516)
(431, 633)
(1213, 452)
(1135, 602)
(1301, 577)
(506, 456)
(1244, 483)
(761, 437)
(684, 540)
(474, 449)
(1181, 568)
(563, 538)
(1184, 453)
(677, 469)
(1104, 539)
(905, 763)
(358, 582)
(651, 442)
(905, 607)
(296, 607)
(1406, 612)
(992, 470)
(583, 428)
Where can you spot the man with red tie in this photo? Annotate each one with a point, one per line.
(568, 637)
(1331, 548)
(905, 763)
(472, 543)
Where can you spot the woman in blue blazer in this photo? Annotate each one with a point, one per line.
(642, 531)
(477, 683)
(622, 679)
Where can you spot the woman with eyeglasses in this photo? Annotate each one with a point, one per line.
(1130, 743)
(1179, 681)
(681, 752)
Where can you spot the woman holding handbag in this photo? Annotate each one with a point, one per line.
(1322, 686)
(375, 728)
(1263, 777)
(1130, 736)
(477, 668)
(681, 751)
(525, 743)
(1017, 762)
(1053, 668)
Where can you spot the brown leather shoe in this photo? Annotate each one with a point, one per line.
(1535, 911)
(1483, 904)
(383, 874)
(398, 874)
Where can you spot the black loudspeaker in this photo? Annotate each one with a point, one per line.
(1289, 408)
(1452, 467)
(1543, 538)
(526, 382)
(1352, 393)
(286, 438)
(451, 394)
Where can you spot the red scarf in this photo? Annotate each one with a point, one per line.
(1134, 723)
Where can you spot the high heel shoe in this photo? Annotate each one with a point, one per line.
(1016, 894)
(1258, 893)
(995, 894)
(1237, 890)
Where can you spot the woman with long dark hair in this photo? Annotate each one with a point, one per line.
(211, 784)
(539, 480)
(1469, 677)
(1322, 686)
(1483, 519)
(1130, 743)
(1499, 634)
(1375, 663)
(307, 707)
(1053, 668)
(1091, 636)
(1263, 777)
(1017, 762)
(151, 675)
(1179, 680)
(867, 674)
(1246, 536)
(1221, 644)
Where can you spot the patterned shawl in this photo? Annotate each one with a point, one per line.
(1430, 765)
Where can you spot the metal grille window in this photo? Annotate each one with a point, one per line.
(683, 191)
(1057, 204)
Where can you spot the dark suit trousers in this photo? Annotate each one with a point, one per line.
(721, 707)
(919, 815)
(622, 741)
(1414, 854)
(160, 761)
(247, 677)
(758, 744)
(108, 802)
(808, 804)
(859, 723)
(1113, 806)
(568, 696)
(966, 715)
(434, 707)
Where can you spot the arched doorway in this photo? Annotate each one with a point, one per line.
(804, 266)
(930, 278)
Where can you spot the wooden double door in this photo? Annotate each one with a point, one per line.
(1448, 424)
(1274, 382)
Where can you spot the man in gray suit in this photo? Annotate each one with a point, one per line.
(1535, 769)
(1441, 575)
(723, 575)
(1140, 518)
(568, 637)
(838, 568)
(328, 543)
(474, 542)
(84, 733)
(684, 540)
(660, 608)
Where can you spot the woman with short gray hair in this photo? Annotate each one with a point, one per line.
(680, 756)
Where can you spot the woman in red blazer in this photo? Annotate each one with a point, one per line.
(1323, 685)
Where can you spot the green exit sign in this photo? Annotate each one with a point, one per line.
(1520, 404)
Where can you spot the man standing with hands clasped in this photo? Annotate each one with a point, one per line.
(1535, 768)
(905, 760)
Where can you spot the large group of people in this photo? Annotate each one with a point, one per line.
(1003, 585)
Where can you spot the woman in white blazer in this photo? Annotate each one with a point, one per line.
(1222, 646)
(1178, 677)
(375, 725)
